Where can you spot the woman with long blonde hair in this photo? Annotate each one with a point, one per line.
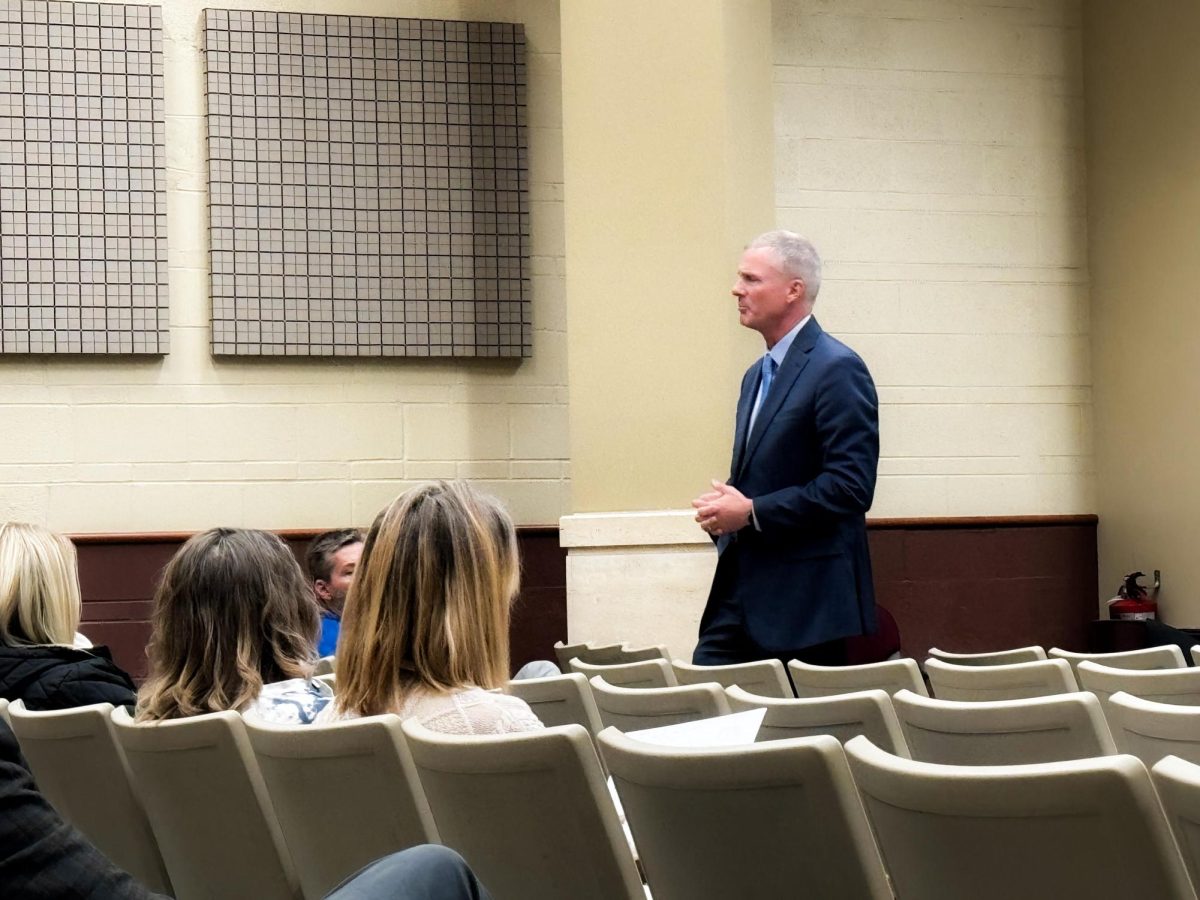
(40, 607)
(425, 629)
(234, 627)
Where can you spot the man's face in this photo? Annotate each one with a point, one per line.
(341, 575)
(766, 297)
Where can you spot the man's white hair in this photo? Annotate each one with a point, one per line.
(797, 257)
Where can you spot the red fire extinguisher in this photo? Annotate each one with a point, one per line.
(1132, 601)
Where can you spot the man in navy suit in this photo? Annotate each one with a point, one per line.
(793, 575)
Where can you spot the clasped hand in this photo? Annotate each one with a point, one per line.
(723, 510)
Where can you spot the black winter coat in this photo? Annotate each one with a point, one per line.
(53, 677)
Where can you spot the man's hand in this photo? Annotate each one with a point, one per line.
(723, 510)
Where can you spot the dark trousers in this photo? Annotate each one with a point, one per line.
(428, 872)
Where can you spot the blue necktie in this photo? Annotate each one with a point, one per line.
(768, 375)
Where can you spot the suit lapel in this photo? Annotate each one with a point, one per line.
(793, 365)
(745, 405)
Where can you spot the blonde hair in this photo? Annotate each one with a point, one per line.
(232, 613)
(430, 601)
(39, 586)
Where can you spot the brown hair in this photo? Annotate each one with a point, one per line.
(319, 557)
(232, 613)
(430, 601)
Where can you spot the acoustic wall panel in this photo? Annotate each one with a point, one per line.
(368, 182)
(82, 194)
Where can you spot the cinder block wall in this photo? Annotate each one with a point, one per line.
(934, 153)
(187, 442)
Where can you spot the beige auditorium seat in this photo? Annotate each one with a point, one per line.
(766, 677)
(329, 679)
(1178, 784)
(993, 658)
(502, 801)
(606, 655)
(1169, 657)
(779, 819)
(890, 676)
(651, 673)
(344, 794)
(325, 665)
(842, 716)
(1181, 686)
(208, 806)
(559, 700)
(1005, 832)
(1195, 654)
(630, 709)
(1151, 730)
(78, 766)
(1003, 732)
(4, 711)
(1016, 681)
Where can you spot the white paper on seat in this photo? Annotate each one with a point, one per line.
(719, 731)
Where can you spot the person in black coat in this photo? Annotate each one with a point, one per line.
(40, 608)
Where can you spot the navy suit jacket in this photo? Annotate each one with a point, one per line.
(809, 465)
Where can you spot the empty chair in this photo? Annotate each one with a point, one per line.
(841, 715)
(779, 819)
(208, 806)
(890, 676)
(651, 673)
(530, 812)
(1169, 657)
(74, 758)
(999, 832)
(993, 658)
(344, 794)
(325, 665)
(1178, 783)
(1181, 686)
(559, 700)
(595, 653)
(630, 709)
(765, 677)
(1016, 681)
(1003, 732)
(1151, 730)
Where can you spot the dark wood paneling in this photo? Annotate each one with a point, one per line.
(118, 575)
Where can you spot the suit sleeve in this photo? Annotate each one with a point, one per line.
(846, 417)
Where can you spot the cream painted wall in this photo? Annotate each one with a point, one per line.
(187, 442)
(934, 153)
(1142, 78)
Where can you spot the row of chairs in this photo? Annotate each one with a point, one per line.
(532, 814)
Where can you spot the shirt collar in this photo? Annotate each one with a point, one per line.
(779, 351)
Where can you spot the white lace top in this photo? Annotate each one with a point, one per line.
(470, 711)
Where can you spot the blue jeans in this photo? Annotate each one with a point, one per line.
(427, 872)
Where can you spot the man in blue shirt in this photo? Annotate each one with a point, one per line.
(332, 559)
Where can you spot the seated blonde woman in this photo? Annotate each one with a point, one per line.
(425, 629)
(234, 627)
(40, 608)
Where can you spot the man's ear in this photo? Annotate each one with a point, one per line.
(322, 589)
(797, 290)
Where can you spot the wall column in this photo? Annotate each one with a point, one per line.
(668, 160)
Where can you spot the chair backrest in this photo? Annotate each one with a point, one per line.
(993, 658)
(1178, 784)
(325, 665)
(208, 806)
(345, 795)
(1168, 657)
(1194, 652)
(4, 711)
(766, 677)
(889, 676)
(559, 700)
(998, 832)
(530, 812)
(778, 819)
(589, 652)
(1181, 686)
(1016, 681)
(1003, 732)
(1151, 730)
(79, 768)
(630, 709)
(650, 673)
(329, 679)
(842, 716)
